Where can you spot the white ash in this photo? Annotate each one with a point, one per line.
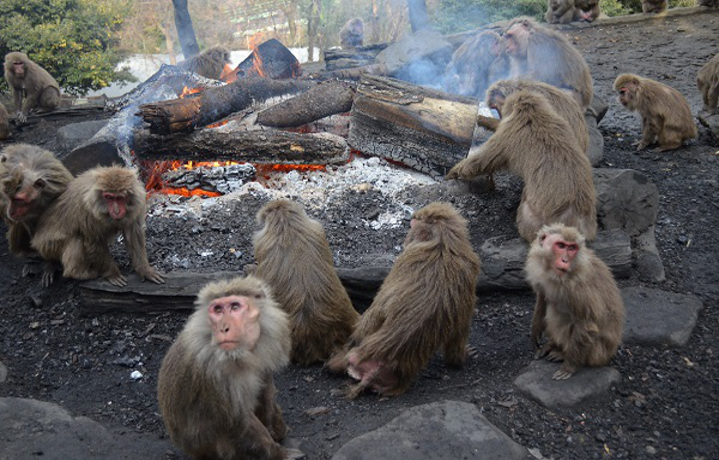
(316, 189)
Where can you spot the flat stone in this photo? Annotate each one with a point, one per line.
(657, 317)
(3, 372)
(72, 135)
(444, 430)
(626, 199)
(37, 429)
(536, 382)
(595, 152)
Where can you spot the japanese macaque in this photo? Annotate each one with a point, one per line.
(209, 63)
(708, 83)
(542, 54)
(579, 307)
(426, 303)
(654, 6)
(352, 33)
(31, 85)
(537, 144)
(476, 64)
(78, 227)
(294, 258)
(31, 179)
(5, 132)
(561, 101)
(587, 10)
(666, 116)
(560, 11)
(215, 387)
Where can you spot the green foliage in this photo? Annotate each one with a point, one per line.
(614, 8)
(453, 16)
(74, 40)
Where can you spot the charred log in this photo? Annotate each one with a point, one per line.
(325, 99)
(268, 146)
(271, 59)
(212, 104)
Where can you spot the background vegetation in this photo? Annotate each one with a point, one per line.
(81, 42)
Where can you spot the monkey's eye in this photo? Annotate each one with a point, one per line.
(234, 306)
(572, 247)
(622, 91)
(542, 238)
(217, 308)
(561, 245)
(40, 183)
(3, 159)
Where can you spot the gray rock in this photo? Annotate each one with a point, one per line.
(626, 199)
(37, 429)
(3, 372)
(445, 430)
(536, 382)
(657, 317)
(70, 136)
(711, 122)
(595, 152)
(599, 106)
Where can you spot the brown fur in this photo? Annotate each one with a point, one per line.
(545, 55)
(295, 259)
(352, 33)
(666, 115)
(210, 63)
(76, 230)
(476, 64)
(654, 6)
(37, 87)
(220, 404)
(708, 84)
(562, 103)
(35, 176)
(581, 312)
(5, 131)
(587, 10)
(426, 303)
(534, 142)
(560, 11)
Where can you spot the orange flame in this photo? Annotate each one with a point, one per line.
(187, 91)
(228, 74)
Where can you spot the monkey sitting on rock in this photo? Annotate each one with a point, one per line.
(31, 85)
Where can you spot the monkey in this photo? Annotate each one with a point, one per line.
(215, 387)
(708, 84)
(294, 258)
(710, 3)
(352, 34)
(210, 63)
(545, 55)
(579, 307)
(5, 132)
(564, 104)
(77, 228)
(31, 179)
(537, 144)
(426, 303)
(666, 115)
(587, 10)
(476, 64)
(31, 85)
(654, 6)
(560, 11)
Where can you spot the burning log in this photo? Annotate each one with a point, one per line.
(503, 269)
(212, 104)
(424, 129)
(268, 146)
(271, 59)
(325, 99)
(336, 59)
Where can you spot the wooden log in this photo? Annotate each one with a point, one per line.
(327, 98)
(502, 269)
(426, 130)
(267, 146)
(208, 106)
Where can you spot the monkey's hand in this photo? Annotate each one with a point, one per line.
(457, 172)
(116, 279)
(642, 144)
(564, 372)
(292, 454)
(151, 274)
(48, 273)
(21, 118)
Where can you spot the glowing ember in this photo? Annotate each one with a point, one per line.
(228, 74)
(188, 91)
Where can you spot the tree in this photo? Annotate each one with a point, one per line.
(185, 31)
(418, 17)
(73, 39)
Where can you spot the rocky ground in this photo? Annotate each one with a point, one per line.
(665, 405)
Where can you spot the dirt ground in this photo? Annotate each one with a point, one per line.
(667, 405)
